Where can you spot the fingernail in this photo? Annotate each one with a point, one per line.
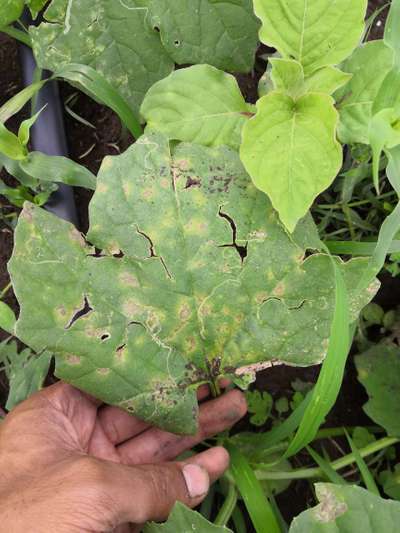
(197, 480)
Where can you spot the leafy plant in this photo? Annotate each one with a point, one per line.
(205, 247)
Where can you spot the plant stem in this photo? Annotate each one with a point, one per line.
(327, 433)
(5, 290)
(309, 473)
(19, 35)
(228, 507)
(357, 203)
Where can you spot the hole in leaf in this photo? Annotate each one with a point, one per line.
(97, 254)
(151, 245)
(105, 337)
(177, 42)
(192, 182)
(119, 255)
(156, 28)
(241, 250)
(86, 309)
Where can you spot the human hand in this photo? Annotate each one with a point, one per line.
(68, 464)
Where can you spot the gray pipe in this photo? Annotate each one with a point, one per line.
(48, 134)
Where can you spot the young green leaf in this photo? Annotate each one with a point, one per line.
(17, 102)
(222, 33)
(369, 64)
(287, 76)
(326, 80)
(392, 30)
(10, 11)
(295, 140)
(10, 145)
(7, 317)
(111, 37)
(316, 34)
(182, 520)
(25, 128)
(198, 104)
(384, 133)
(379, 372)
(57, 169)
(345, 508)
(35, 6)
(180, 233)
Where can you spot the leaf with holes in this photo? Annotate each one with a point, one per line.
(290, 151)
(192, 278)
(316, 34)
(111, 37)
(222, 33)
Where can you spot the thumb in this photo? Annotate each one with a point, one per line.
(149, 492)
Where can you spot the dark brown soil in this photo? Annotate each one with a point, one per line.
(89, 145)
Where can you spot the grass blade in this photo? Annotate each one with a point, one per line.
(257, 504)
(101, 90)
(326, 468)
(359, 248)
(330, 378)
(368, 478)
(17, 102)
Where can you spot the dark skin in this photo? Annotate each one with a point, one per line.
(69, 464)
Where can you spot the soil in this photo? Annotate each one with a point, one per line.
(88, 145)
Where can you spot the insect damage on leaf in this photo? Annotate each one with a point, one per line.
(192, 277)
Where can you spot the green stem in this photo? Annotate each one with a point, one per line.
(5, 290)
(310, 473)
(358, 203)
(228, 507)
(328, 433)
(19, 35)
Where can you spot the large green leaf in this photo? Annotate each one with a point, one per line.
(379, 372)
(196, 279)
(315, 33)
(222, 33)
(348, 509)
(369, 65)
(184, 520)
(198, 104)
(10, 11)
(290, 151)
(111, 37)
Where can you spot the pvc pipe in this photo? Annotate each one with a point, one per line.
(48, 134)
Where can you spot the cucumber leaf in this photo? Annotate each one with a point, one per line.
(198, 104)
(346, 508)
(295, 141)
(111, 37)
(222, 33)
(316, 34)
(196, 279)
(379, 372)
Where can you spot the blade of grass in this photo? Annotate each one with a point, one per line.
(368, 478)
(238, 521)
(17, 102)
(330, 378)
(326, 468)
(228, 506)
(359, 248)
(257, 504)
(101, 90)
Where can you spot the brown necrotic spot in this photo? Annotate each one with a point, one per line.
(72, 359)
